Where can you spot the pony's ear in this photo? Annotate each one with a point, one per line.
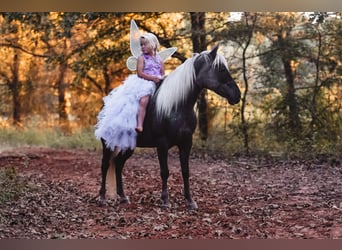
(213, 52)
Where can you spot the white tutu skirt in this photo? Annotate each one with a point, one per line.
(118, 118)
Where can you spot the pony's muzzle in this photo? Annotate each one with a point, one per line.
(234, 94)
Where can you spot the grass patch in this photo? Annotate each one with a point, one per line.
(220, 143)
(50, 137)
(227, 144)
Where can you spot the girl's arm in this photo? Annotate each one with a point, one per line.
(162, 72)
(142, 74)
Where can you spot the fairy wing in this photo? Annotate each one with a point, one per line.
(131, 63)
(134, 44)
(135, 39)
(167, 53)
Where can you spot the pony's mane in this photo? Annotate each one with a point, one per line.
(175, 88)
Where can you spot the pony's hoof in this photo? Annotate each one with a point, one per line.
(124, 200)
(192, 205)
(165, 205)
(101, 202)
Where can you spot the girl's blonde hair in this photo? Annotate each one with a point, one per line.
(153, 41)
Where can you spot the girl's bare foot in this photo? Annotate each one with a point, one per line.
(139, 129)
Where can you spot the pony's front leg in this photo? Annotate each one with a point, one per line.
(184, 153)
(164, 173)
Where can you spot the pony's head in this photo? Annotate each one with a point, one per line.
(205, 70)
(212, 73)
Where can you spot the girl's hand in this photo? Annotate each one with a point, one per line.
(157, 79)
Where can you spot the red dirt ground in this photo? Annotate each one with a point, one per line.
(240, 198)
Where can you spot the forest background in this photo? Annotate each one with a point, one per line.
(56, 67)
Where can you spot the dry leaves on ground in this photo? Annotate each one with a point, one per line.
(238, 198)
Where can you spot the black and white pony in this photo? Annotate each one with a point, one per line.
(171, 121)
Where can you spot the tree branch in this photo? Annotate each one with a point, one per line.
(15, 46)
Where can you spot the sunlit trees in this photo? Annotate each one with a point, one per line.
(19, 50)
(323, 102)
(303, 67)
(241, 35)
(55, 68)
(280, 60)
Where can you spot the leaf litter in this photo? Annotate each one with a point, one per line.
(239, 198)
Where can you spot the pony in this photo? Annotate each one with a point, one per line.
(171, 120)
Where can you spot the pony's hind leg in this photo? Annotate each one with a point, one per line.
(120, 161)
(106, 157)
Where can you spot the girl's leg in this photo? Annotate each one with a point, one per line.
(142, 112)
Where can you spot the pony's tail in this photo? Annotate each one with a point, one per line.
(111, 177)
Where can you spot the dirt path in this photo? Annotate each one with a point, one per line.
(237, 199)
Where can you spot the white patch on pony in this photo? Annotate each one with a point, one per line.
(111, 177)
(175, 88)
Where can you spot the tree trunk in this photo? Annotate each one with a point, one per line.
(199, 44)
(290, 100)
(61, 86)
(313, 107)
(107, 80)
(15, 89)
(244, 123)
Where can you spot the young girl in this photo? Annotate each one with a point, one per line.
(150, 67)
(123, 113)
